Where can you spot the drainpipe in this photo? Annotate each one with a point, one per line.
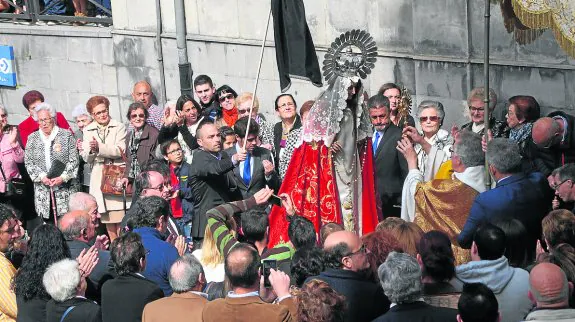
(184, 66)
(160, 55)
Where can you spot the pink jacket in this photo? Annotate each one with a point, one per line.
(9, 156)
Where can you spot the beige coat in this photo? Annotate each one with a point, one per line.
(113, 142)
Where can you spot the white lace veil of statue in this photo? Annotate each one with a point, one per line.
(342, 70)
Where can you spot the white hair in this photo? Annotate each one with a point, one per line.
(79, 201)
(185, 273)
(80, 110)
(61, 279)
(44, 107)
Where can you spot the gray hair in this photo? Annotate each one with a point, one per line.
(432, 104)
(44, 107)
(185, 273)
(80, 110)
(504, 155)
(74, 229)
(400, 277)
(468, 149)
(61, 279)
(377, 101)
(565, 172)
(478, 93)
(79, 201)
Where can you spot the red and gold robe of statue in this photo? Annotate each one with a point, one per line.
(311, 184)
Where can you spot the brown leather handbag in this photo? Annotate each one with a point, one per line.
(112, 175)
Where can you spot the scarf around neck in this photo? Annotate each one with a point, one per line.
(230, 116)
(519, 135)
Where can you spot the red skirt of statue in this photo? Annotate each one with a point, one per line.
(311, 184)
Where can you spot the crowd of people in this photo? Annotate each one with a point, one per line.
(77, 8)
(185, 233)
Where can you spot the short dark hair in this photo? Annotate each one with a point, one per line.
(6, 214)
(149, 210)
(477, 303)
(334, 255)
(30, 97)
(490, 242)
(203, 123)
(226, 131)
(243, 274)
(526, 108)
(255, 223)
(241, 127)
(306, 262)
(518, 249)
(225, 89)
(157, 165)
(166, 145)
(434, 247)
(203, 79)
(377, 101)
(137, 105)
(126, 252)
(282, 95)
(183, 99)
(301, 232)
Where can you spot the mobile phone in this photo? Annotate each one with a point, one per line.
(275, 200)
(267, 265)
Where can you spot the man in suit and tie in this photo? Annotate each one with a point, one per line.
(390, 166)
(257, 171)
(211, 178)
(517, 195)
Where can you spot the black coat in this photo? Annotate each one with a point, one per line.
(258, 180)
(84, 310)
(364, 299)
(33, 310)
(124, 298)
(102, 272)
(390, 169)
(212, 184)
(565, 152)
(418, 311)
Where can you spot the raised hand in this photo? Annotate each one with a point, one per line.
(268, 167)
(94, 145)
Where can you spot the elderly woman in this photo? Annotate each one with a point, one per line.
(477, 112)
(228, 115)
(266, 136)
(52, 163)
(30, 100)
(182, 124)
(141, 141)
(104, 142)
(434, 145)
(82, 118)
(11, 153)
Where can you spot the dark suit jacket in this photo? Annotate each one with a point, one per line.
(390, 167)
(519, 196)
(248, 309)
(124, 298)
(258, 180)
(183, 307)
(102, 272)
(365, 300)
(566, 150)
(212, 184)
(146, 149)
(84, 310)
(418, 311)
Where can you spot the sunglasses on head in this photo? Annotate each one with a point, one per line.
(227, 97)
(431, 118)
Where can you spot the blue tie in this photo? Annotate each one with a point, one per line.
(375, 141)
(247, 170)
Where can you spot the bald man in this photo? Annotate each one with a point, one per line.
(347, 262)
(142, 93)
(550, 292)
(554, 135)
(78, 229)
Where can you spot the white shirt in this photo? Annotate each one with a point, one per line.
(378, 139)
(47, 140)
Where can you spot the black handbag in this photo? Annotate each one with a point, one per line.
(15, 187)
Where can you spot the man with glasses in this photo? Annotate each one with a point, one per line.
(346, 267)
(8, 234)
(555, 134)
(564, 183)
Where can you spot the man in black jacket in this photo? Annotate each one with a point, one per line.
(205, 90)
(389, 165)
(211, 178)
(347, 260)
(124, 298)
(555, 134)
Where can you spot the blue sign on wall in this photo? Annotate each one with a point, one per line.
(7, 72)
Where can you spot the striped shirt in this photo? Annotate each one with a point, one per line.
(225, 240)
(8, 308)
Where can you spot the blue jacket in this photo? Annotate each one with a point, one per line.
(520, 196)
(185, 194)
(160, 258)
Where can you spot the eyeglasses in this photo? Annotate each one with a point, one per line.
(557, 186)
(361, 250)
(285, 105)
(476, 109)
(100, 113)
(45, 121)
(160, 187)
(175, 151)
(430, 118)
(134, 116)
(227, 97)
(243, 111)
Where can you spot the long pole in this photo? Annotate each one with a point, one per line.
(160, 54)
(184, 66)
(257, 77)
(486, 89)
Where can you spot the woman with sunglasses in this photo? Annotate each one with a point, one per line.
(433, 145)
(141, 141)
(228, 114)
